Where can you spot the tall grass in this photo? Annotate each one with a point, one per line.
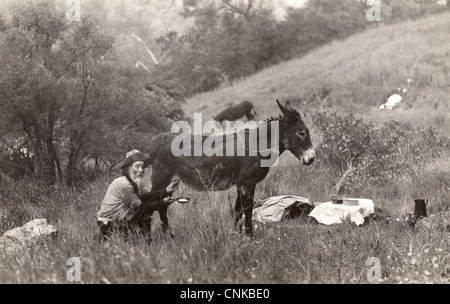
(206, 248)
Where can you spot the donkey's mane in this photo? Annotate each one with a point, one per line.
(274, 118)
(283, 120)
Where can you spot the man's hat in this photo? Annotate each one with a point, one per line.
(134, 156)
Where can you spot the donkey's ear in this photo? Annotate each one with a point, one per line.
(291, 110)
(282, 108)
(288, 110)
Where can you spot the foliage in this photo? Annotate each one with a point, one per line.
(224, 43)
(395, 153)
(65, 96)
(214, 43)
(321, 22)
(233, 39)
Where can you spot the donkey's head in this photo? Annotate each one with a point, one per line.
(295, 135)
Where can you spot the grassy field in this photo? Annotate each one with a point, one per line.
(360, 72)
(206, 249)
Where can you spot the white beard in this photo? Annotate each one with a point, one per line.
(138, 180)
(140, 183)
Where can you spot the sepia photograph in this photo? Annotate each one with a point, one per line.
(225, 149)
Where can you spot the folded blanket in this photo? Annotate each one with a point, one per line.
(277, 208)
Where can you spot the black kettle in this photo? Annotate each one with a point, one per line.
(420, 207)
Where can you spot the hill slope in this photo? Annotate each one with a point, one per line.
(360, 73)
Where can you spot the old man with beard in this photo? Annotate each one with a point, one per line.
(127, 207)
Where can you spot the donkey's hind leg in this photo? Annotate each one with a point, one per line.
(248, 211)
(238, 211)
(244, 205)
(161, 179)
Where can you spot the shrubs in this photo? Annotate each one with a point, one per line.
(393, 154)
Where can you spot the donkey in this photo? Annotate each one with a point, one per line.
(237, 111)
(221, 172)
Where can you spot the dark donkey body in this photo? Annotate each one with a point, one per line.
(221, 172)
(237, 111)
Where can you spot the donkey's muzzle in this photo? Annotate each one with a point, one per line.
(308, 157)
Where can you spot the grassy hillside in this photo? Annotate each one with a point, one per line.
(360, 72)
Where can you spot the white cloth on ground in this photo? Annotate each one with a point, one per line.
(354, 209)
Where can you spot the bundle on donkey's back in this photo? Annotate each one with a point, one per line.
(237, 111)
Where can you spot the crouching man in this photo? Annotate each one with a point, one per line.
(127, 208)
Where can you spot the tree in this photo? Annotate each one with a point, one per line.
(27, 93)
(63, 90)
(228, 40)
(321, 21)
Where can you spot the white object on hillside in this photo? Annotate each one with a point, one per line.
(392, 101)
(354, 209)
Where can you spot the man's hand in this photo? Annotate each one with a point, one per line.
(168, 200)
(173, 186)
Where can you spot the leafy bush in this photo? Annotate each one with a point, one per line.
(345, 143)
(66, 95)
(393, 154)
